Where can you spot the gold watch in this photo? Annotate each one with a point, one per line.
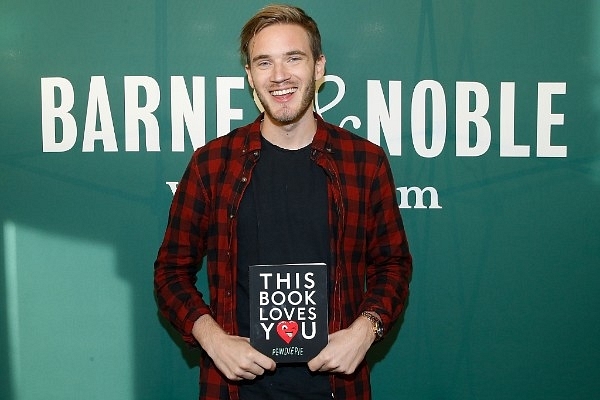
(377, 325)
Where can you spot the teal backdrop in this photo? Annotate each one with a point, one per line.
(488, 109)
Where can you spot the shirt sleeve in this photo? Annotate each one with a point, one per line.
(389, 262)
(180, 256)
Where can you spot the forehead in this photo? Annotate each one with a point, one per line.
(279, 39)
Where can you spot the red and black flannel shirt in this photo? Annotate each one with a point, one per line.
(369, 246)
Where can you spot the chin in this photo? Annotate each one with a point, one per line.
(282, 116)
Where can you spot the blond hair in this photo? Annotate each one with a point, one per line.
(279, 14)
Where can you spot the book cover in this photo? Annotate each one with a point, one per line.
(289, 310)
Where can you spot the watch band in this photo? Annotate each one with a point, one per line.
(377, 325)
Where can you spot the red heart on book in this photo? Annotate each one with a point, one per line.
(287, 330)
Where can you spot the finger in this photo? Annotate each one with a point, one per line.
(245, 372)
(268, 364)
(255, 370)
(316, 364)
(247, 375)
(264, 362)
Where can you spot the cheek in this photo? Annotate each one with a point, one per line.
(257, 80)
(250, 80)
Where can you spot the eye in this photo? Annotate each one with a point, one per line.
(263, 64)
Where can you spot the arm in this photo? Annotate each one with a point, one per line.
(388, 271)
(389, 262)
(182, 251)
(180, 256)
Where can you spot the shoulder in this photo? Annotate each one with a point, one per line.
(222, 143)
(227, 147)
(349, 145)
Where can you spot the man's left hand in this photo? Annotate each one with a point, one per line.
(346, 348)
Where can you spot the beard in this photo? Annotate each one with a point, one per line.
(283, 113)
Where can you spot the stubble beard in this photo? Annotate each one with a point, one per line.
(284, 114)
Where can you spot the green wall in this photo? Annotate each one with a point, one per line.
(506, 257)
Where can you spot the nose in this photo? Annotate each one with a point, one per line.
(279, 73)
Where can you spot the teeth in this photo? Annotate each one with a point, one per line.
(282, 92)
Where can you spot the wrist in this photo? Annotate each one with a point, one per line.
(376, 323)
(206, 330)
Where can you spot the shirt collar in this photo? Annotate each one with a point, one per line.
(321, 140)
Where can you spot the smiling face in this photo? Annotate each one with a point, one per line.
(287, 330)
(283, 72)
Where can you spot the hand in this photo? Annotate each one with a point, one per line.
(232, 355)
(346, 348)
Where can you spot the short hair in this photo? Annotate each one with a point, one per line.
(279, 14)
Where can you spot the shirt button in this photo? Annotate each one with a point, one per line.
(244, 179)
(228, 293)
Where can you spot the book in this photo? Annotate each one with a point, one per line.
(289, 310)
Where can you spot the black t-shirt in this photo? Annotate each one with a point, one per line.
(283, 218)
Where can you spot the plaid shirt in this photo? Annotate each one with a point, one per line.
(368, 244)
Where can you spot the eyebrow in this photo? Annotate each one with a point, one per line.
(289, 53)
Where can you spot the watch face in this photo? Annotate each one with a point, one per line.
(379, 329)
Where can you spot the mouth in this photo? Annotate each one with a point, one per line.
(283, 92)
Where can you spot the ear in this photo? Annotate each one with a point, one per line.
(320, 67)
(249, 76)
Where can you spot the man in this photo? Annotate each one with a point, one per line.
(288, 188)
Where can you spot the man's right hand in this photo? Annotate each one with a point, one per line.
(232, 355)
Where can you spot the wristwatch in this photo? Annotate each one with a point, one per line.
(377, 325)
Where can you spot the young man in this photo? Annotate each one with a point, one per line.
(288, 188)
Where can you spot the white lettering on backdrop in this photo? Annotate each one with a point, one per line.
(384, 116)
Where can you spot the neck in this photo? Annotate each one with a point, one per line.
(292, 136)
